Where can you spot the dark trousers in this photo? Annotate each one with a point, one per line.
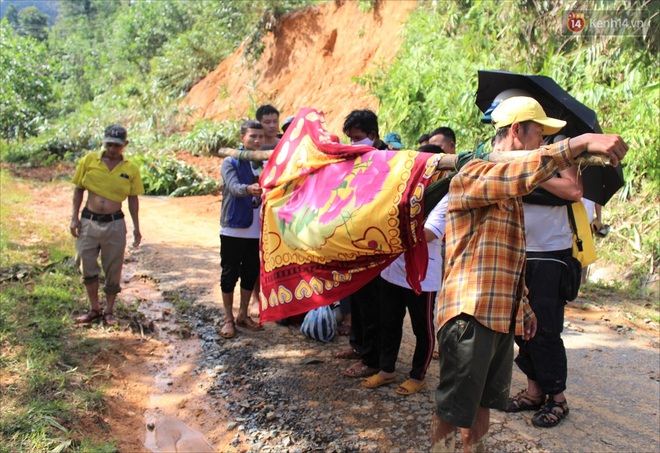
(394, 302)
(543, 358)
(365, 322)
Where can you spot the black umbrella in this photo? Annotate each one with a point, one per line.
(600, 183)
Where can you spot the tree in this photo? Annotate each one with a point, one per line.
(12, 16)
(33, 23)
(26, 91)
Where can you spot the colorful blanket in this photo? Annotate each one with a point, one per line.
(334, 216)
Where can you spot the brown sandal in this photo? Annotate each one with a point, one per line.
(228, 332)
(347, 353)
(249, 324)
(524, 402)
(110, 319)
(360, 370)
(89, 317)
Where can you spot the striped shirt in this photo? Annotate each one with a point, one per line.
(485, 260)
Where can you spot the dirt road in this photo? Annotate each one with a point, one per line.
(614, 384)
(276, 390)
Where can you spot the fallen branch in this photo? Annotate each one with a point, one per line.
(253, 156)
(447, 162)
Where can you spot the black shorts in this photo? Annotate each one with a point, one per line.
(239, 258)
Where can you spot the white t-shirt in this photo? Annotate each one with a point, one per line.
(590, 206)
(547, 228)
(436, 221)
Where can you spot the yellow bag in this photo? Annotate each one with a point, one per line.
(583, 243)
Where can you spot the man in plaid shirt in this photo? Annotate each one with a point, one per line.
(483, 299)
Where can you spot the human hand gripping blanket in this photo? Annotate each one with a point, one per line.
(334, 216)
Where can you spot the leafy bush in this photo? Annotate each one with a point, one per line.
(207, 137)
(67, 140)
(433, 82)
(165, 175)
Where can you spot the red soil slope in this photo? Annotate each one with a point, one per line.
(309, 61)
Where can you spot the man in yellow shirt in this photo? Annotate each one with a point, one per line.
(109, 179)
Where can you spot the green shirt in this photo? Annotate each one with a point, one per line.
(94, 175)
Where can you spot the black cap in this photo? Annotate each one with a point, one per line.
(115, 133)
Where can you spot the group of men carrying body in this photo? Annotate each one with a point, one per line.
(483, 302)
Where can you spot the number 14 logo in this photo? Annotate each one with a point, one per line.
(576, 22)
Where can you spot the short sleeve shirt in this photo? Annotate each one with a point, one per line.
(122, 181)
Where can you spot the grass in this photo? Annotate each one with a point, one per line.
(45, 387)
(635, 305)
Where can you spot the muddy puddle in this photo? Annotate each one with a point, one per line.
(173, 381)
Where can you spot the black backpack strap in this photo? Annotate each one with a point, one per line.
(571, 221)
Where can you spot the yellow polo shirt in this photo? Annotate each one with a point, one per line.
(124, 180)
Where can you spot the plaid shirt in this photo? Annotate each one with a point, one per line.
(485, 264)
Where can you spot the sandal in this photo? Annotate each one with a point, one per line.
(550, 414)
(360, 370)
(110, 319)
(344, 329)
(88, 318)
(228, 330)
(347, 353)
(249, 324)
(410, 387)
(376, 381)
(524, 402)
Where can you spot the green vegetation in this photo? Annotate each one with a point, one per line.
(46, 383)
(165, 175)
(109, 61)
(433, 82)
(131, 62)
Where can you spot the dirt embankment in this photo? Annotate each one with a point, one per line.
(309, 60)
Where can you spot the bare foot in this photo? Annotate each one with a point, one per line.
(253, 310)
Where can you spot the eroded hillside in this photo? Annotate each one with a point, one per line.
(310, 60)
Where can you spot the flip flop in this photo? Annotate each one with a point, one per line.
(360, 370)
(376, 381)
(410, 387)
(228, 332)
(249, 324)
